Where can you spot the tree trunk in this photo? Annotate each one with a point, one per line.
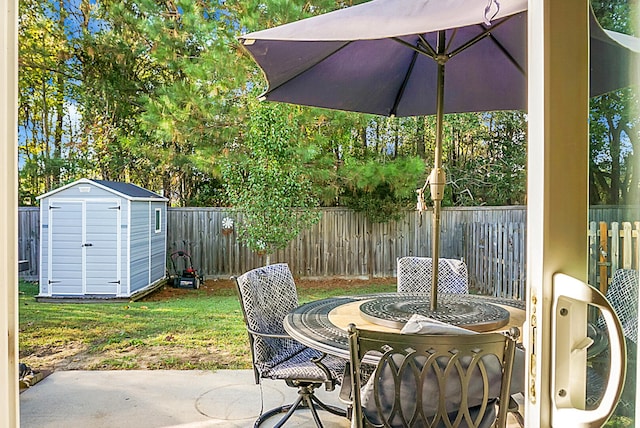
(420, 138)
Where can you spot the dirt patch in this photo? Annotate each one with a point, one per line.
(217, 286)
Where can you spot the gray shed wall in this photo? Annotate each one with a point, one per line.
(158, 242)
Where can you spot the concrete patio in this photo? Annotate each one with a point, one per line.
(160, 398)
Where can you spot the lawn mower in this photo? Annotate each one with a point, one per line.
(184, 275)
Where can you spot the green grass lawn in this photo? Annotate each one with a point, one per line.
(177, 329)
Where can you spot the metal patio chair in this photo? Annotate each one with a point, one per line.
(622, 294)
(432, 380)
(267, 295)
(414, 275)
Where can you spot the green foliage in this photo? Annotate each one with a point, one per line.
(486, 159)
(161, 94)
(381, 190)
(619, 422)
(614, 123)
(44, 86)
(614, 127)
(267, 181)
(616, 15)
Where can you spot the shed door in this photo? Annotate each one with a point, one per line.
(102, 241)
(85, 247)
(65, 240)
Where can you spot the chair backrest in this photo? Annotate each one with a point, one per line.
(414, 275)
(623, 296)
(432, 380)
(267, 295)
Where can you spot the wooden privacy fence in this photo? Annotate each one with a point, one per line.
(496, 258)
(611, 247)
(29, 241)
(344, 243)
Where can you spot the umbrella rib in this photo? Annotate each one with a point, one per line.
(507, 54)
(404, 85)
(426, 44)
(451, 39)
(318, 61)
(486, 32)
(431, 53)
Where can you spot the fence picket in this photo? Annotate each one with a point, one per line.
(636, 235)
(615, 244)
(626, 245)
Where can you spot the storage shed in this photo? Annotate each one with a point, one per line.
(101, 239)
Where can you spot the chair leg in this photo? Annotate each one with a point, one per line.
(292, 408)
(288, 408)
(306, 399)
(331, 409)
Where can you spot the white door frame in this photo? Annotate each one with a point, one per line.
(557, 218)
(9, 403)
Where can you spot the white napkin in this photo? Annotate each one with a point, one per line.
(419, 324)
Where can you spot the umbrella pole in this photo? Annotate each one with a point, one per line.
(437, 179)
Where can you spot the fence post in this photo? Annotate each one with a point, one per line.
(593, 252)
(614, 253)
(603, 257)
(627, 242)
(636, 233)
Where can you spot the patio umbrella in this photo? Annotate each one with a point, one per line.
(388, 57)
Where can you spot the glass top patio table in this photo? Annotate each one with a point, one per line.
(322, 324)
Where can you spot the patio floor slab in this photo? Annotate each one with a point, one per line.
(163, 398)
(160, 398)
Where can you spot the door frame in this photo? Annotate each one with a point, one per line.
(557, 217)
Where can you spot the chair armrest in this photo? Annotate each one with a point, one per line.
(273, 335)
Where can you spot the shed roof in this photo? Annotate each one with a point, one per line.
(126, 190)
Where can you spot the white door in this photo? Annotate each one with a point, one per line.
(65, 247)
(101, 247)
(558, 299)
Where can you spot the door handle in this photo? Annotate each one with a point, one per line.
(87, 245)
(570, 295)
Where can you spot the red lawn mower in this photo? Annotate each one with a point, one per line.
(184, 274)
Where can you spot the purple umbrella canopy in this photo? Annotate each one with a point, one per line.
(362, 58)
(359, 58)
(420, 57)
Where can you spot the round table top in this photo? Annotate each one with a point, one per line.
(322, 324)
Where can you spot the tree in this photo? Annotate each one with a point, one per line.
(267, 181)
(614, 125)
(159, 93)
(615, 138)
(46, 77)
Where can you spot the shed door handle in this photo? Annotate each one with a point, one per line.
(87, 245)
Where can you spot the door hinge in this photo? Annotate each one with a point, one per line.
(53, 282)
(114, 208)
(51, 207)
(114, 282)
